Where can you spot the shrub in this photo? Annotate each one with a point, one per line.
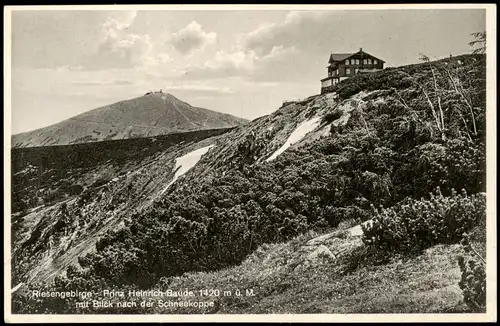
(335, 215)
(75, 189)
(332, 116)
(473, 279)
(473, 283)
(414, 225)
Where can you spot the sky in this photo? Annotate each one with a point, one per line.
(241, 62)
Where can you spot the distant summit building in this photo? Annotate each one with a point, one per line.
(345, 65)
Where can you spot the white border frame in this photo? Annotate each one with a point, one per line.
(490, 315)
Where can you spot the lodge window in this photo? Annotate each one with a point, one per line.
(369, 61)
(357, 61)
(365, 61)
(374, 61)
(347, 62)
(348, 71)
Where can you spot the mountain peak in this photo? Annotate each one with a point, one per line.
(149, 115)
(160, 93)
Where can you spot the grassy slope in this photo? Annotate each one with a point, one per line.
(426, 283)
(353, 282)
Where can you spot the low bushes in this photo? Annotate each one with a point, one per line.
(332, 116)
(473, 283)
(414, 225)
(473, 268)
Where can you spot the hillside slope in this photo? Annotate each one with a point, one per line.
(387, 139)
(145, 116)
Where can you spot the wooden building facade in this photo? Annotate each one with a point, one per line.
(346, 65)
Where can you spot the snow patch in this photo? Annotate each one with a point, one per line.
(332, 95)
(346, 107)
(299, 133)
(361, 95)
(16, 287)
(342, 121)
(326, 132)
(186, 162)
(357, 231)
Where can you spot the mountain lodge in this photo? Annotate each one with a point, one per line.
(345, 65)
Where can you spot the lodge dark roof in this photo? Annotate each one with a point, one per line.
(340, 56)
(343, 56)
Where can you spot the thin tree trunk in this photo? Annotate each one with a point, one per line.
(438, 95)
(403, 102)
(430, 104)
(433, 112)
(470, 108)
(464, 99)
(466, 128)
(472, 248)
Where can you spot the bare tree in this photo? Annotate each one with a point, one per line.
(479, 39)
(440, 99)
(437, 91)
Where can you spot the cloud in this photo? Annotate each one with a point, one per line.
(102, 83)
(223, 64)
(192, 38)
(120, 20)
(202, 89)
(239, 60)
(281, 51)
(302, 28)
(295, 49)
(246, 63)
(118, 48)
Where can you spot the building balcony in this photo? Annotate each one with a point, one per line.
(329, 81)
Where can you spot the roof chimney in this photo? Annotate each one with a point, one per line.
(360, 49)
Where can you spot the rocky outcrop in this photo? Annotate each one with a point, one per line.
(325, 249)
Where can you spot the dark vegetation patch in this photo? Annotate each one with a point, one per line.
(36, 169)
